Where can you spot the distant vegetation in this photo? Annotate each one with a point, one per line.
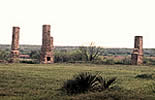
(80, 54)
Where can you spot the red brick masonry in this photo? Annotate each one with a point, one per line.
(15, 45)
(137, 54)
(47, 46)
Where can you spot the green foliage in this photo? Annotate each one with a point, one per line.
(84, 54)
(30, 61)
(104, 84)
(116, 52)
(126, 61)
(64, 56)
(85, 82)
(26, 49)
(4, 55)
(90, 53)
(149, 61)
(35, 54)
(111, 95)
(110, 61)
(146, 76)
(113, 60)
(81, 83)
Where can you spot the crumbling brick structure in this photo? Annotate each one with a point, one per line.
(15, 45)
(137, 54)
(47, 46)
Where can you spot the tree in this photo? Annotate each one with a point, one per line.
(35, 54)
(90, 52)
(4, 55)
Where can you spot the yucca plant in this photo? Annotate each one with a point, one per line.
(85, 82)
(80, 83)
(104, 84)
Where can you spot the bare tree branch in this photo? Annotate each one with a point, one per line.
(90, 52)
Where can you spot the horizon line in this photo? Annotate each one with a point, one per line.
(77, 46)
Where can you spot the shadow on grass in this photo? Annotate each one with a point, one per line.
(145, 76)
(111, 94)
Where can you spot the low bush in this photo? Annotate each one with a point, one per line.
(104, 84)
(35, 54)
(110, 62)
(113, 60)
(30, 61)
(104, 61)
(146, 76)
(85, 82)
(149, 61)
(64, 56)
(4, 55)
(111, 95)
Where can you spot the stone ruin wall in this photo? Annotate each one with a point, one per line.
(14, 56)
(47, 46)
(137, 54)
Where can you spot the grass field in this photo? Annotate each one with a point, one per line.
(43, 82)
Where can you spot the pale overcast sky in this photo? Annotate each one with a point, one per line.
(108, 23)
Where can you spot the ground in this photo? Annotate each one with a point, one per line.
(43, 82)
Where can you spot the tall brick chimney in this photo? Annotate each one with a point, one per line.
(15, 45)
(137, 54)
(47, 46)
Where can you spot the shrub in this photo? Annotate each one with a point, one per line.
(4, 55)
(110, 61)
(126, 61)
(85, 82)
(81, 83)
(149, 61)
(35, 54)
(30, 61)
(65, 56)
(146, 76)
(104, 84)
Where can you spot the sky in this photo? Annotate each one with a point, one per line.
(107, 23)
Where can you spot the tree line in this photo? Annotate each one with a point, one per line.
(80, 54)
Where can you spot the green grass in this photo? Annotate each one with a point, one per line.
(43, 82)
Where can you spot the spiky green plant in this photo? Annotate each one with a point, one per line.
(81, 83)
(86, 82)
(104, 84)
